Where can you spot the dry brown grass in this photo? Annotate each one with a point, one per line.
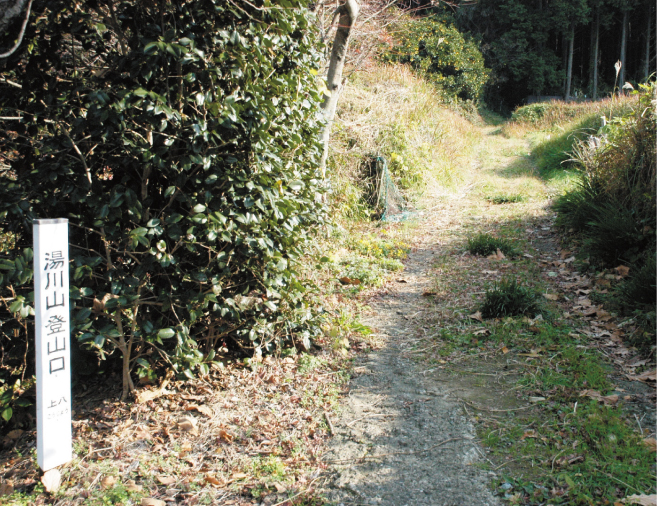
(558, 113)
(386, 110)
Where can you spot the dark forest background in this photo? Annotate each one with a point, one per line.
(531, 44)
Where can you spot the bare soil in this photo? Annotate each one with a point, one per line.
(403, 437)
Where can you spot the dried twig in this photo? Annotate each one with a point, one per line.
(328, 421)
(498, 410)
(368, 416)
(413, 452)
(297, 494)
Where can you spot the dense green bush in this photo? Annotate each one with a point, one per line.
(181, 140)
(443, 55)
(530, 113)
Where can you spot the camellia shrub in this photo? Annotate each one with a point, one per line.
(181, 140)
(439, 51)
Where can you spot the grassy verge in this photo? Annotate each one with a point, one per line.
(609, 216)
(388, 111)
(553, 128)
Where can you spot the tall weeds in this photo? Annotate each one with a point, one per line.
(612, 211)
(389, 111)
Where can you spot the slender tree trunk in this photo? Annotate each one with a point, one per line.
(348, 14)
(541, 44)
(596, 54)
(621, 75)
(646, 59)
(591, 57)
(571, 46)
(564, 61)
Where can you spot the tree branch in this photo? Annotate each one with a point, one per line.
(10, 14)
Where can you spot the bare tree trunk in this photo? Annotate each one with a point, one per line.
(622, 55)
(646, 59)
(596, 54)
(571, 46)
(348, 14)
(564, 61)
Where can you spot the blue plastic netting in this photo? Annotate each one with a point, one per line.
(389, 202)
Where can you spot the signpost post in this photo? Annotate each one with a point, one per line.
(53, 351)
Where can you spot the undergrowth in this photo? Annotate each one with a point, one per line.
(389, 111)
(506, 198)
(611, 212)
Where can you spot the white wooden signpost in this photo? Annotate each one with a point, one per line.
(53, 351)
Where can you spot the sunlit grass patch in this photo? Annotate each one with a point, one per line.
(391, 112)
(379, 247)
(506, 198)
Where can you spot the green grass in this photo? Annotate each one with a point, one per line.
(568, 449)
(555, 150)
(506, 198)
(486, 244)
(509, 298)
(583, 457)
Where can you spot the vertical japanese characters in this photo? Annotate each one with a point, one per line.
(52, 329)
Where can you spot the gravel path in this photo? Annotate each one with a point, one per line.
(402, 438)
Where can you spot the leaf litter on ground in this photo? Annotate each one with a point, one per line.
(239, 434)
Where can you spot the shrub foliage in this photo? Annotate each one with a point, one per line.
(181, 141)
(486, 244)
(448, 59)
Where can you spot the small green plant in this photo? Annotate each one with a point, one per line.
(509, 298)
(486, 244)
(506, 198)
(268, 467)
(309, 363)
(370, 272)
(343, 325)
(381, 248)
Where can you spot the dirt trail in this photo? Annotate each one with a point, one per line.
(427, 445)
(403, 437)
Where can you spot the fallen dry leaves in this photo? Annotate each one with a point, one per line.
(645, 376)
(608, 400)
(108, 482)
(6, 488)
(651, 443)
(52, 480)
(149, 501)
(498, 255)
(195, 437)
(642, 500)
